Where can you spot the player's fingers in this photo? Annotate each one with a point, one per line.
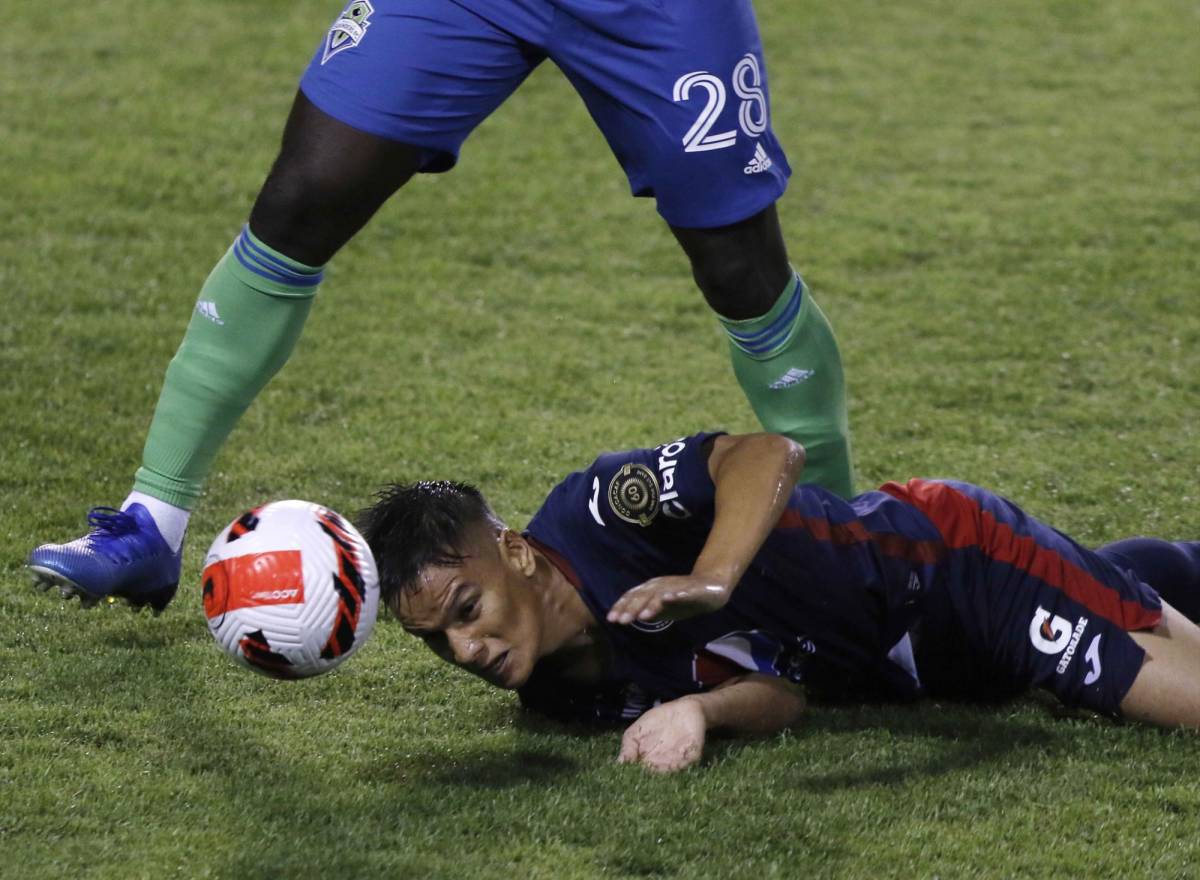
(621, 606)
(650, 609)
(628, 605)
(663, 763)
(630, 755)
(634, 605)
(625, 614)
(675, 760)
(629, 747)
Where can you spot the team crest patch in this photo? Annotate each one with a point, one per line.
(633, 494)
(350, 28)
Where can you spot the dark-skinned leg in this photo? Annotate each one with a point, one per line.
(784, 353)
(741, 268)
(328, 180)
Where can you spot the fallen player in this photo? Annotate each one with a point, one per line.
(696, 587)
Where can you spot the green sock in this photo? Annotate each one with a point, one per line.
(788, 365)
(249, 315)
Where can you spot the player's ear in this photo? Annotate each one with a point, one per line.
(516, 552)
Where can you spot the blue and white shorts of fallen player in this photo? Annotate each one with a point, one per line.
(679, 89)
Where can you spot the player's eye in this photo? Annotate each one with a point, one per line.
(468, 610)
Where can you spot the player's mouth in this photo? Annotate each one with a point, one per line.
(497, 670)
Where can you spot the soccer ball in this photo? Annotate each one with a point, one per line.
(290, 589)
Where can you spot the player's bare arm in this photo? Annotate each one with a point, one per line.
(754, 475)
(671, 737)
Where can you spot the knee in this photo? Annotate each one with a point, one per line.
(739, 282)
(722, 275)
(296, 211)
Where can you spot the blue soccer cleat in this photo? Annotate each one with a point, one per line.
(123, 556)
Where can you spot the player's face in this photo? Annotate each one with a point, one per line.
(483, 614)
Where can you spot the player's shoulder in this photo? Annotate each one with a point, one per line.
(637, 486)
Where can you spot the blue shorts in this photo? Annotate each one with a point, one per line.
(1016, 604)
(679, 89)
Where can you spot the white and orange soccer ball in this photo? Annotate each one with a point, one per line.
(290, 589)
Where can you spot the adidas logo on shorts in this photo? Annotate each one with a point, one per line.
(760, 163)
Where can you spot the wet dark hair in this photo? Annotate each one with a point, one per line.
(414, 525)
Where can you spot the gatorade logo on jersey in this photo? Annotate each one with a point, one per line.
(1048, 632)
(1052, 634)
(349, 29)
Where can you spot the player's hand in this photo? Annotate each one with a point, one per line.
(666, 738)
(669, 598)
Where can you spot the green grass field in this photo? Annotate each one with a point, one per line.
(997, 206)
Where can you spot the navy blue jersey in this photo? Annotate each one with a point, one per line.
(840, 593)
(830, 595)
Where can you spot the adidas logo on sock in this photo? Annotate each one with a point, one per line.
(208, 309)
(794, 376)
(760, 163)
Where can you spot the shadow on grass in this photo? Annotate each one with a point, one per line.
(914, 741)
(142, 640)
(497, 770)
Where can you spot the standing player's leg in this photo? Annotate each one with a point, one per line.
(783, 350)
(368, 117)
(326, 183)
(683, 101)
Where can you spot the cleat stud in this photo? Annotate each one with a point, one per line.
(40, 580)
(66, 592)
(110, 600)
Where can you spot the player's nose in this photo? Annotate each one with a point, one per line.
(468, 651)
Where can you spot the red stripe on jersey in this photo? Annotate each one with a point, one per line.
(963, 523)
(710, 670)
(854, 532)
(558, 561)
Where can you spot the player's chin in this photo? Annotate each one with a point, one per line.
(517, 669)
(522, 664)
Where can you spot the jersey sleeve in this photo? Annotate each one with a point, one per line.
(642, 487)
